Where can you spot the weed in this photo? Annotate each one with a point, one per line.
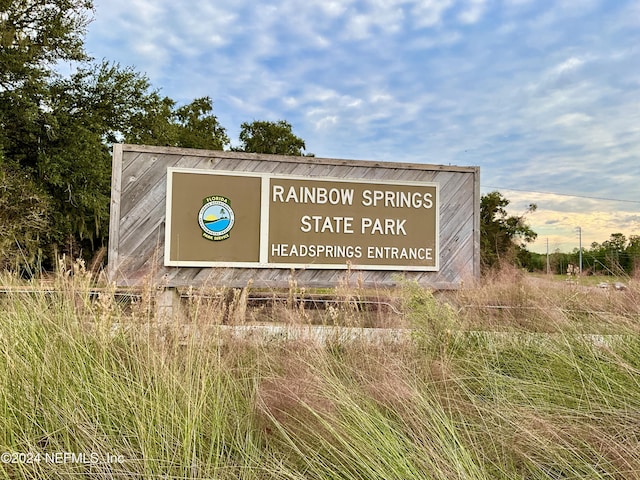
(533, 391)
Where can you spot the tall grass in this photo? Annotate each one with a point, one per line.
(457, 400)
(515, 301)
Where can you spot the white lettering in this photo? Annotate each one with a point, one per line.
(366, 198)
(365, 223)
(312, 195)
(279, 249)
(306, 223)
(428, 203)
(396, 253)
(393, 199)
(278, 190)
(346, 195)
(316, 251)
(385, 226)
(320, 224)
(292, 196)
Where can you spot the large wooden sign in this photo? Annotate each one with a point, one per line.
(231, 219)
(183, 217)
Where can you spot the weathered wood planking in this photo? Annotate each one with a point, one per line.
(138, 209)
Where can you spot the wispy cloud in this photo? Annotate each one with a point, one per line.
(543, 96)
(429, 13)
(472, 11)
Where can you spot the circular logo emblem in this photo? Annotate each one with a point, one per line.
(216, 218)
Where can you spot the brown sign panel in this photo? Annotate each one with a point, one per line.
(262, 220)
(212, 218)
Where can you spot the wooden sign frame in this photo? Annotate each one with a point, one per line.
(139, 219)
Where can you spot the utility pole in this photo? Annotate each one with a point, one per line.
(548, 268)
(580, 240)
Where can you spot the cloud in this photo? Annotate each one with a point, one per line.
(472, 11)
(558, 216)
(569, 65)
(429, 13)
(572, 119)
(382, 18)
(326, 122)
(543, 96)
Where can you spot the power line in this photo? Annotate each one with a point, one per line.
(563, 194)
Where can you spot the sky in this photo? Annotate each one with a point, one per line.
(542, 95)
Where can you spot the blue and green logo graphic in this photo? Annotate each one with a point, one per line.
(216, 218)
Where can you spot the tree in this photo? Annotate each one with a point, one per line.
(56, 132)
(192, 125)
(35, 34)
(615, 255)
(633, 252)
(502, 237)
(270, 137)
(24, 215)
(57, 139)
(615, 248)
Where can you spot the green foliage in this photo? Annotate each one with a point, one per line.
(56, 132)
(24, 218)
(190, 401)
(501, 232)
(270, 137)
(59, 136)
(192, 125)
(425, 313)
(615, 256)
(35, 34)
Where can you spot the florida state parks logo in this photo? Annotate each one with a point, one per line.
(216, 218)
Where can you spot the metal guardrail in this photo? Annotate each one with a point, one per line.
(308, 300)
(546, 309)
(93, 292)
(314, 301)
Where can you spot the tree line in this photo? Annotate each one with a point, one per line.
(56, 132)
(504, 239)
(617, 256)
